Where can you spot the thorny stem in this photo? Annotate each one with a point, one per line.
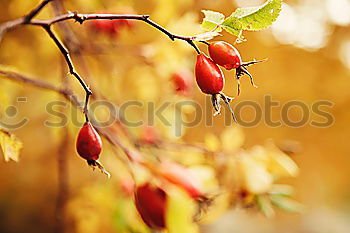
(35, 11)
(46, 24)
(145, 18)
(105, 132)
(23, 20)
(68, 36)
(67, 93)
(71, 68)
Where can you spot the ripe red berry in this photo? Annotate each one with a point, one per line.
(210, 80)
(224, 54)
(89, 144)
(209, 77)
(151, 204)
(183, 82)
(181, 177)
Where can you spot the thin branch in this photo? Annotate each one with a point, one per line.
(145, 18)
(27, 18)
(132, 154)
(33, 82)
(71, 68)
(68, 36)
(46, 24)
(68, 94)
(10, 25)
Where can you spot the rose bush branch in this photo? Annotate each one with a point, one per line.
(145, 18)
(71, 67)
(105, 132)
(69, 95)
(46, 24)
(9, 25)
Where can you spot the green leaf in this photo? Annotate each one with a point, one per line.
(212, 20)
(252, 18)
(11, 146)
(287, 204)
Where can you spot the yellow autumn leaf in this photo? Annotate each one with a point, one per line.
(255, 176)
(277, 162)
(259, 153)
(206, 177)
(212, 142)
(10, 145)
(220, 205)
(180, 212)
(232, 138)
(281, 165)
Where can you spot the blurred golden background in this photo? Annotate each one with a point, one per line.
(308, 51)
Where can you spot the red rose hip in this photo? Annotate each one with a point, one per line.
(151, 204)
(210, 80)
(89, 144)
(227, 56)
(209, 77)
(224, 54)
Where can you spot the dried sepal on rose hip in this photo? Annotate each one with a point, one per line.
(89, 146)
(210, 80)
(150, 203)
(227, 56)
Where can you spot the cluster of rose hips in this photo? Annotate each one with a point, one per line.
(150, 200)
(209, 76)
